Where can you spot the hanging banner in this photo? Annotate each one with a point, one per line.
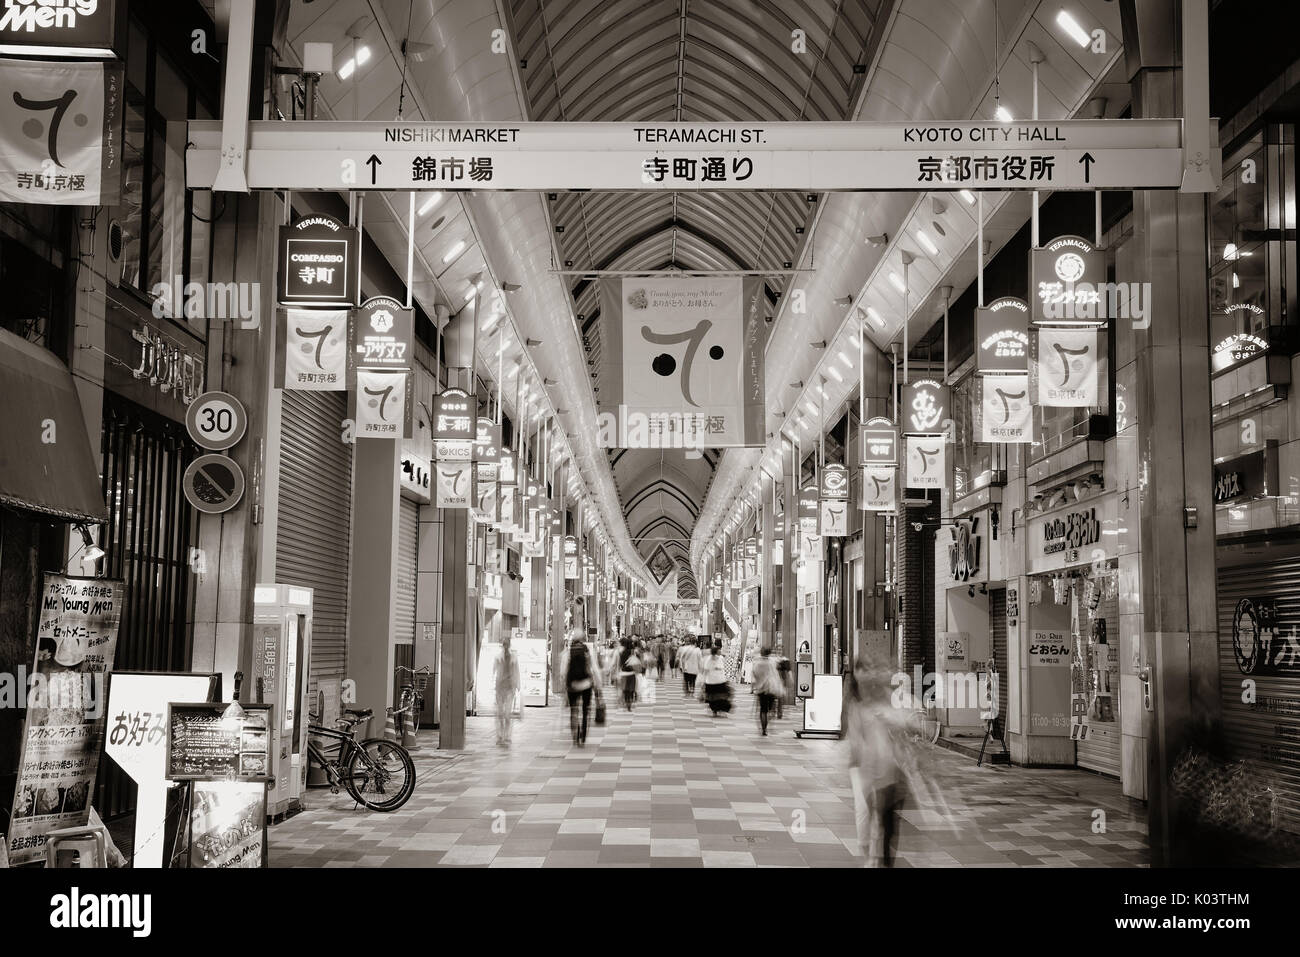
(834, 483)
(505, 505)
(927, 465)
(879, 489)
(485, 507)
(809, 504)
(64, 122)
(318, 263)
(879, 441)
(1067, 368)
(1002, 336)
(454, 482)
(381, 333)
(924, 406)
(834, 518)
(455, 415)
(1067, 278)
(63, 736)
(487, 448)
(314, 350)
(684, 365)
(570, 558)
(383, 411)
(1005, 413)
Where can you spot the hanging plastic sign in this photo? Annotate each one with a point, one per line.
(879, 489)
(1005, 410)
(73, 28)
(879, 441)
(383, 409)
(487, 448)
(570, 558)
(809, 497)
(1002, 336)
(834, 518)
(455, 415)
(835, 483)
(382, 329)
(1067, 280)
(926, 462)
(1240, 337)
(506, 469)
(1066, 368)
(318, 263)
(315, 351)
(924, 406)
(455, 482)
(485, 509)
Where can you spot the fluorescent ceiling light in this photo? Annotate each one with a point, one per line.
(898, 283)
(363, 56)
(835, 374)
(1003, 114)
(857, 343)
(346, 69)
(874, 316)
(847, 359)
(811, 406)
(968, 196)
(927, 242)
(454, 251)
(1071, 27)
(1230, 251)
(429, 203)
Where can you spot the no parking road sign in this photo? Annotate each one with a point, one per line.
(216, 421)
(213, 484)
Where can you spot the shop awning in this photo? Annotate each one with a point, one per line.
(46, 464)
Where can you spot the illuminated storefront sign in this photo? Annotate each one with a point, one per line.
(924, 406)
(879, 439)
(1002, 336)
(1067, 280)
(381, 334)
(59, 27)
(1241, 346)
(454, 416)
(834, 483)
(318, 263)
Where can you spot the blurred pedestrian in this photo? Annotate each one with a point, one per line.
(579, 680)
(689, 659)
(767, 685)
(783, 671)
(628, 666)
(672, 657)
(717, 690)
(876, 737)
(505, 678)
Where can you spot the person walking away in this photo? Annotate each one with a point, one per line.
(672, 657)
(689, 659)
(579, 679)
(661, 658)
(506, 680)
(767, 685)
(717, 691)
(875, 737)
(628, 665)
(783, 672)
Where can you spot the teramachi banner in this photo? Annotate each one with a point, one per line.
(383, 411)
(315, 350)
(1067, 368)
(1004, 412)
(685, 363)
(63, 132)
(927, 466)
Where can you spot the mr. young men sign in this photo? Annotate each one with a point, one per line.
(84, 26)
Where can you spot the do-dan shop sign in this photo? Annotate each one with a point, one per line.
(1002, 336)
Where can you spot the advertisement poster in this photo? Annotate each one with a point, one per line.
(926, 463)
(227, 824)
(453, 482)
(1066, 368)
(1049, 678)
(64, 733)
(685, 353)
(71, 117)
(315, 350)
(1005, 413)
(532, 668)
(383, 411)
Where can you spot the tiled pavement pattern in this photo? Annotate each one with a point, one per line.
(669, 786)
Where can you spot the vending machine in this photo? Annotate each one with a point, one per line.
(279, 666)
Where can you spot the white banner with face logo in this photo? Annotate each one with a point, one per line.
(926, 462)
(316, 350)
(454, 484)
(1005, 411)
(1067, 368)
(63, 130)
(381, 405)
(879, 489)
(684, 362)
(835, 519)
(485, 509)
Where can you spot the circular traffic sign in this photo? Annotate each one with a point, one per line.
(216, 421)
(213, 484)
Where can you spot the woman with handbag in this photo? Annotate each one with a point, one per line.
(717, 690)
(629, 664)
(580, 683)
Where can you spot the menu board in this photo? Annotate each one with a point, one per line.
(206, 744)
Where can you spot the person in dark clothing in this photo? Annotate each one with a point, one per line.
(580, 681)
(629, 665)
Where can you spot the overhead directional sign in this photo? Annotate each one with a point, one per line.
(1049, 154)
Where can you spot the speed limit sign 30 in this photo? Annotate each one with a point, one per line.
(216, 421)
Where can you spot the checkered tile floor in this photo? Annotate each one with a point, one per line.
(670, 786)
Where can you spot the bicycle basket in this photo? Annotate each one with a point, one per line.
(421, 681)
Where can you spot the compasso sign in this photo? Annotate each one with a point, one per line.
(1067, 282)
(879, 441)
(318, 263)
(924, 406)
(1002, 336)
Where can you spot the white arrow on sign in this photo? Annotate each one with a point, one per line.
(1050, 154)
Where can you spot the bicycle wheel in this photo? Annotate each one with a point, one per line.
(380, 775)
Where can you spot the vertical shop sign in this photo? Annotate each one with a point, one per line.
(834, 518)
(318, 263)
(879, 442)
(454, 482)
(1066, 280)
(75, 642)
(1005, 413)
(1002, 336)
(315, 351)
(924, 407)
(927, 465)
(1067, 368)
(381, 333)
(63, 124)
(383, 411)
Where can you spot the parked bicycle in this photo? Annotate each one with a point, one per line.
(411, 700)
(377, 773)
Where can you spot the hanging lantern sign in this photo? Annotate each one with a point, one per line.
(1002, 336)
(927, 465)
(924, 407)
(1005, 413)
(1067, 279)
(879, 441)
(1066, 369)
(879, 489)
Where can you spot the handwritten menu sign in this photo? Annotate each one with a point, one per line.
(204, 744)
(228, 825)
